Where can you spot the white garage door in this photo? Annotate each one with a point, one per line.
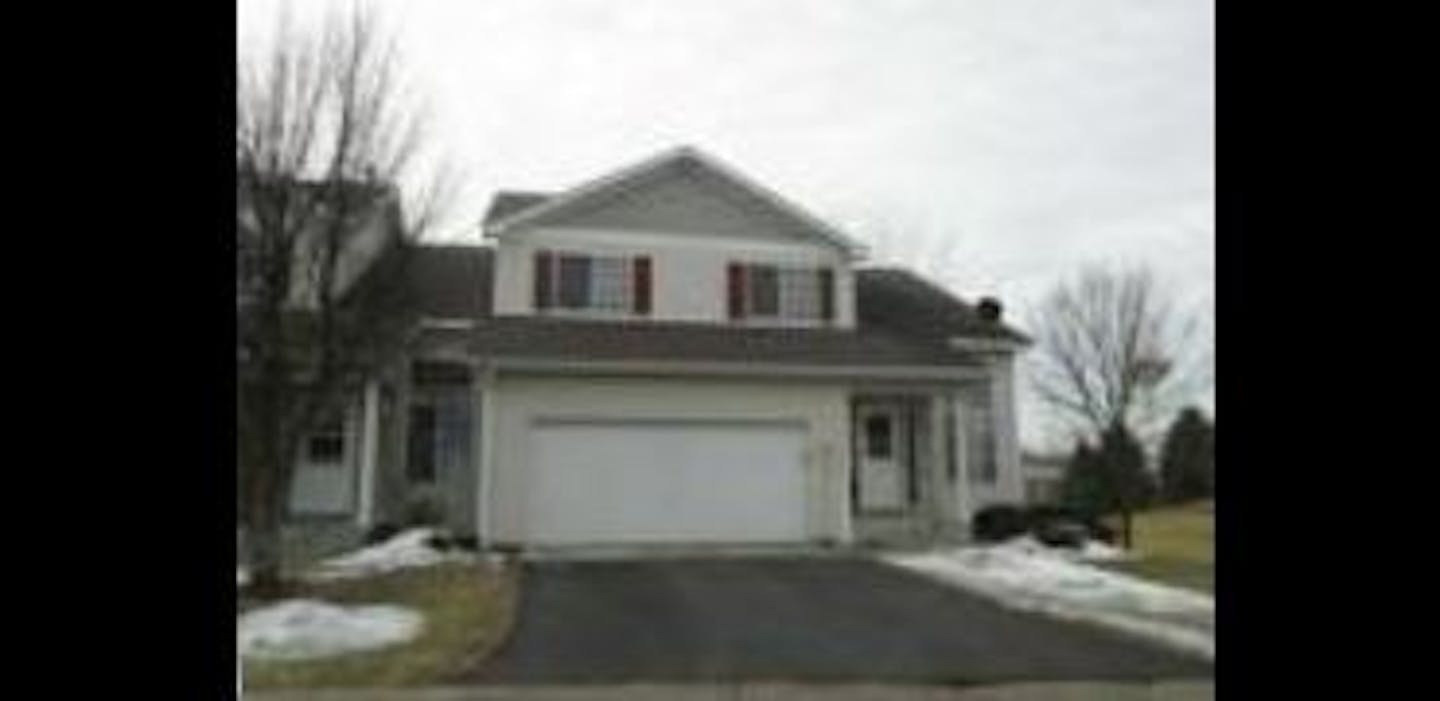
(596, 482)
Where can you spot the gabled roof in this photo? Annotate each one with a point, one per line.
(509, 212)
(508, 202)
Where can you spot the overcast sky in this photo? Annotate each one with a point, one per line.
(995, 145)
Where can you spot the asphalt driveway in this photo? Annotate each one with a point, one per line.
(794, 619)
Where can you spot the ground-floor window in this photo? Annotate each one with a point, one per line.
(420, 460)
(1042, 491)
(985, 465)
(952, 452)
(325, 447)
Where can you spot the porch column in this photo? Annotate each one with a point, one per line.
(396, 491)
(964, 502)
(482, 418)
(369, 454)
(942, 499)
(1007, 441)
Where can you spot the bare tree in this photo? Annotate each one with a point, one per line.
(324, 135)
(1111, 349)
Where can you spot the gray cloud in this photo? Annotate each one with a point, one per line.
(994, 145)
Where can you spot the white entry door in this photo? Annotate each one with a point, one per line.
(603, 481)
(882, 455)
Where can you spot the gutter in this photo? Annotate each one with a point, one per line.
(742, 369)
(986, 345)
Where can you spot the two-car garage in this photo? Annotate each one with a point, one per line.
(661, 480)
(626, 461)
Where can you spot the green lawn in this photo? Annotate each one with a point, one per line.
(1175, 545)
(468, 612)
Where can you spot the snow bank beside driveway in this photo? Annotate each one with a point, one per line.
(301, 629)
(407, 549)
(1027, 575)
(1093, 551)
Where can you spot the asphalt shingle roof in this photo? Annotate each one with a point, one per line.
(559, 339)
(451, 282)
(898, 299)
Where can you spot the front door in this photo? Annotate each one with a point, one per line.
(881, 456)
(439, 466)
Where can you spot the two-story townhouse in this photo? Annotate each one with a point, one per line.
(674, 354)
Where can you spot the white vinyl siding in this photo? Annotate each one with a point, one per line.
(688, 272)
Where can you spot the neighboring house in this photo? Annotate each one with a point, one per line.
(1043, 475)
(674, 354)
(375, 227)
(324, 483)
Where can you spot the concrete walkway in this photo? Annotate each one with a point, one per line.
(1049, 691)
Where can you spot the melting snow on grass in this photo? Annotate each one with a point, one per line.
(301, 629)
(410, 548)
(1028, 575)
(1092, 551)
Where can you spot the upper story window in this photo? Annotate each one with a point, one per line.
(759, 291)
(581, 282)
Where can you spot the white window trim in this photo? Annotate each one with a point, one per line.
(341, 461)
(779, 318)
(593, 312)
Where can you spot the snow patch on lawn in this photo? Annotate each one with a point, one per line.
(1027, 575)
(407, 549)
(1092, 551)
(301, 629)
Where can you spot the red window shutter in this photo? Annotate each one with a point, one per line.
(735, 280)
(544, 266)
(827, 294)
(641, 272)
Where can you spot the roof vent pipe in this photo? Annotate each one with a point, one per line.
(989, 309)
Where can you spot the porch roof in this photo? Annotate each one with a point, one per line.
(681, 342)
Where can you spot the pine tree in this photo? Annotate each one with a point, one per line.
(1128, 485)
(1083, 486)
(1187, 462)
